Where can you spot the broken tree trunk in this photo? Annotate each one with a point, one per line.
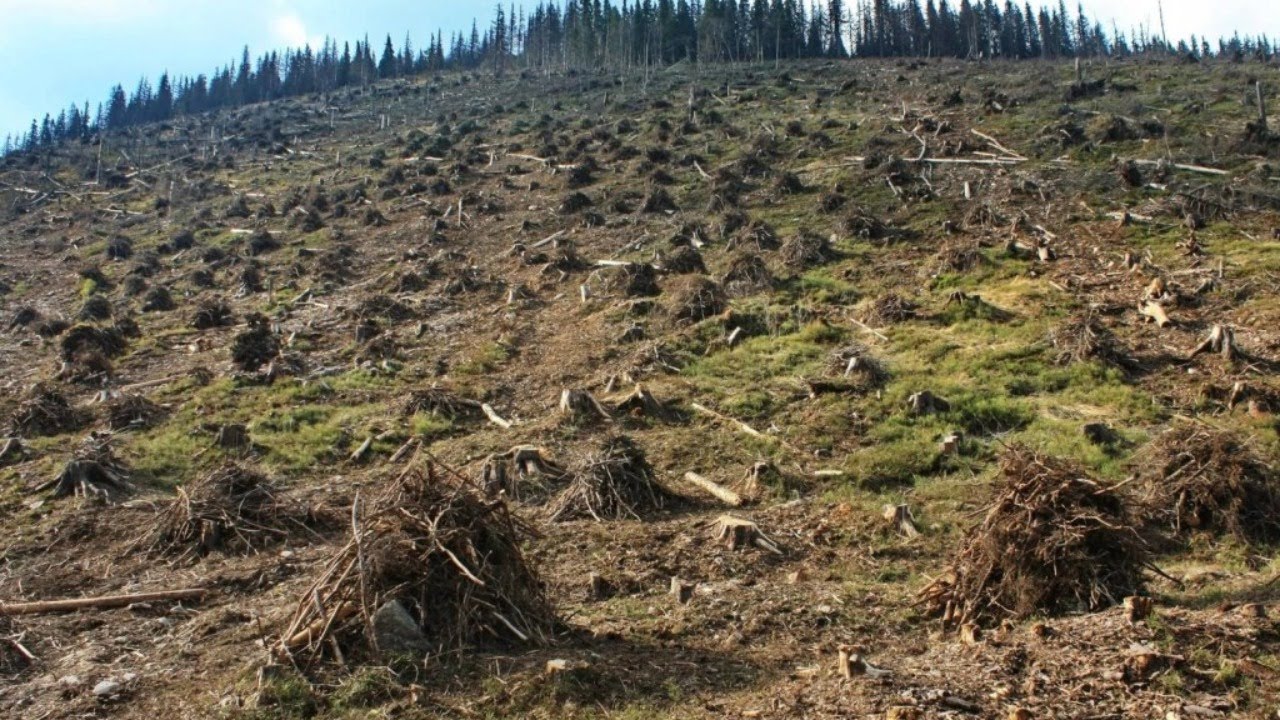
(99, 603)
(900, 517)
(1221, 340)
(721, 493)
(736, 532)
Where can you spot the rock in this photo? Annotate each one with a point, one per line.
(106, 688)
(395, 630)
(69, 680)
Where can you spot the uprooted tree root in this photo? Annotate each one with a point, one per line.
(1197, 478)
(612, 483)
(449, 559)
(231, 509)
(1052, 541)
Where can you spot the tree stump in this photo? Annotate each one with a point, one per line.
(899, 516)
(736, 533)
(926, 403)
(1222, 341)
(1137, 608)
(681, 590)
(578, 403)
(233, 437)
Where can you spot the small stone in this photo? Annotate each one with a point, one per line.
(395, 630)
(106, 688)
(69, 680)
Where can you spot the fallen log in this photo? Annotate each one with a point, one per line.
(494, 417)
(98, 603)
(721, 493)
(1154, 312)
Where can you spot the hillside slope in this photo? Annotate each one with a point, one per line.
(827, 287)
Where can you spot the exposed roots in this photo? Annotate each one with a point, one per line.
(612, 483)
(434, 556)
(1053, 541)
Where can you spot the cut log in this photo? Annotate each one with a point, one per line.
(362, 450)
(899, 516)
(1221, 340)
(719, 492)
(736, 532)
(1154, 312)
(99, 603)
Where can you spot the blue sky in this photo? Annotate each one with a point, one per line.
(53, 52)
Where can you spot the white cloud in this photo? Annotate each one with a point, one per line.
(289, 30)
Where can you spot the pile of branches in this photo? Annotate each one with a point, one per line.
(805, 250)
(1198, 478)
(212, 313)
(747, 275)
(440, 403)
(612, 483)
(93, 471)
(892, 308)
(447, 557)
(634, 280)
(694, 297)
(131, 412)
(45, 411)
(1082, 338)
(231, 509)
(1052, 541)
(256, 345)
(83, 341)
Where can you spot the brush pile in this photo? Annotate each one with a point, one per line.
(694, 297)
(1082, 338)
(255, 346)
(804, 250)
(612, 483)
(444, 559)
(230, 509)
(45, 411)
(747, 275)
(1052, 541)
(441, 403)
(891, 309)
(131, 412)
(1200, 479)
